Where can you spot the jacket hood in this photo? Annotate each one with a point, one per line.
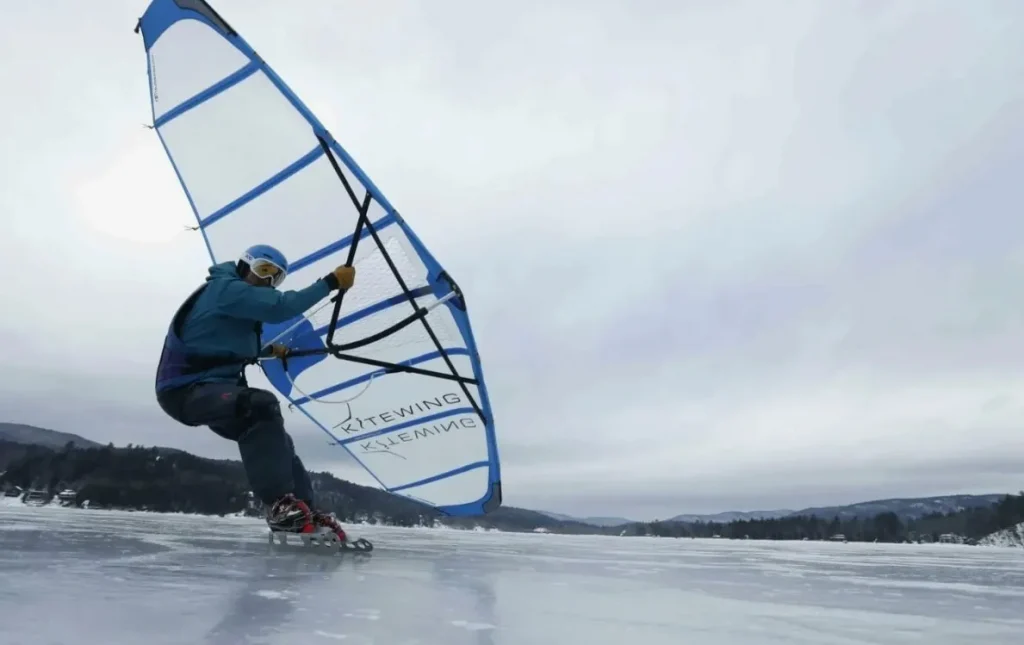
(224, 270)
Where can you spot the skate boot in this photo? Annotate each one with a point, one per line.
(330, 522)
(290, 515)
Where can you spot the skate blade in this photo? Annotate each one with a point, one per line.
(323, 541)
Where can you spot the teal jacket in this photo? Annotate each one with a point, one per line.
(225, 320)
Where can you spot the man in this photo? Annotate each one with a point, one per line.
(200, 379)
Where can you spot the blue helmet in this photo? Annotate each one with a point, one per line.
(266, 262)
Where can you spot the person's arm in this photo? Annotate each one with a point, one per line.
(243, 300)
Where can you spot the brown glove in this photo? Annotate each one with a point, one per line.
(344, 276)
(278, 350)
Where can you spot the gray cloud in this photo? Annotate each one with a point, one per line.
(718, 255)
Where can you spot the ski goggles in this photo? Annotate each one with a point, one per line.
(268, 271)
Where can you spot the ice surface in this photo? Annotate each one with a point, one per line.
(101, 577)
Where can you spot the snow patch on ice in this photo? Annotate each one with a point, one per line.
(365, 614)
(273, 595)
(55, 505)
(965, 588)
(238, 515)
(471, 626)
(1011, 537)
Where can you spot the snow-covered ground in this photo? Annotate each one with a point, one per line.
(108, 577)
(1011, 537)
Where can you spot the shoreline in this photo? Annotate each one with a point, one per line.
(1001, 539)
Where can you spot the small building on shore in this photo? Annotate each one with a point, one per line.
(36, 497)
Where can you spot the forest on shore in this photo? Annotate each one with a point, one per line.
(967, 525)
(171, 480)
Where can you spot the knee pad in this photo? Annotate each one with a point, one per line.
(257, 405)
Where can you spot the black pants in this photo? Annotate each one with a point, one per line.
(252, 418)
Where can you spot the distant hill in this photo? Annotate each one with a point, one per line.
(31, 435)
(169, 480)
(732, 516)
(904, 508)
(592, 521)
(17, 440)
(510, 518)
(963, 525)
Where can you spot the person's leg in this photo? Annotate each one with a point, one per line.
(300, 477)
(252, 418)
(304, 492)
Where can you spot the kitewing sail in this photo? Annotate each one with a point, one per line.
(389, 369)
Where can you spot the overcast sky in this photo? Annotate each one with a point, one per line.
(719, 254)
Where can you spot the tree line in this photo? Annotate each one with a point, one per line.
(970, 524)
(170, 480)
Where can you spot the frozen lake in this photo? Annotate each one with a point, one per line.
(105, 578)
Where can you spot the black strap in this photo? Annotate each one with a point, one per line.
(418, 314)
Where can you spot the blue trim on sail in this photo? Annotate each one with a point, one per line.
(222, 85)
(302, 162)
(375, 308)
(445, 475)
(423, 358)
(338, 245)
